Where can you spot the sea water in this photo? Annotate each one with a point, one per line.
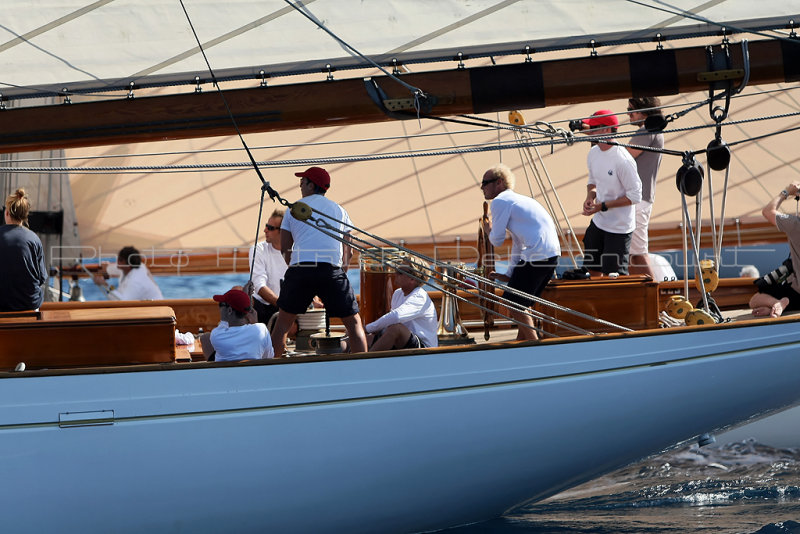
(738, 487)
(741, 487)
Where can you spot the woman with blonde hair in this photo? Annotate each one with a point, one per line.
(22, 268)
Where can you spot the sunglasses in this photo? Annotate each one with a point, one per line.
(487, 182)
(270, 227)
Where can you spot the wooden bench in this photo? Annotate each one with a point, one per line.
(88, 337)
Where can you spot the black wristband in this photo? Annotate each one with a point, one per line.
(603, 206)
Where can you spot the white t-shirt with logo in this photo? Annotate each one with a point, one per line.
(614, 174)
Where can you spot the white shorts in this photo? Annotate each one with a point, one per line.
(639, 236)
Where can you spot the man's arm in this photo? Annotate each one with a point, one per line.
(501, 212)
(347, 251)
(260, 274)
(589, 206)
(286, 245)
(770, 211)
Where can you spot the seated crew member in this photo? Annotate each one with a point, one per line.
(235, 338)
(22, 268)
(269, 266)
(135, 283)
(412, 321)
(774, 299)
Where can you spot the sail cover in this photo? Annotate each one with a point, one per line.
(82, 46)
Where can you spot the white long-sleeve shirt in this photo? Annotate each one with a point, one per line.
(416, 311)
(533, 232)
(268, 269)
(138, 284)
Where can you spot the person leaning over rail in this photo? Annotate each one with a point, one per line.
(22, 267)
(534, 241)
(269, 267)
(773, 299)
(317, 264)
(412, 321)
(135, 280)
(647, 164)
(613, 190)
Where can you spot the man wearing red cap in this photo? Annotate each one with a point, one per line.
(613, 190)
(235, 338)
(317, 264)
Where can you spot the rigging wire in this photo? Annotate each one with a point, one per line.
(327, 229)
(417, 92)
(688, 15)
(265, 185)
(400, 155)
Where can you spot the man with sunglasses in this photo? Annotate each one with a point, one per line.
(317, 263)
(269, 267)
(534, 242)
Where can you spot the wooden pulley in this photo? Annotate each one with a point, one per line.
(678, 306)
(484, 266)
(698, 316)
(708, 270)
(516, 118)
(301, 211)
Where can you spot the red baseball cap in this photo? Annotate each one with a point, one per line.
(318, 175)
(597, 119)
(236, 299)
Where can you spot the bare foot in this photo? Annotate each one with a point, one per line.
(778, 307)
(762, 311)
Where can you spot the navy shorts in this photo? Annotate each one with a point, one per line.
(605, 251)
(303, 281)
(530, 277)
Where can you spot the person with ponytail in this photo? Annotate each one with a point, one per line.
(22, 268)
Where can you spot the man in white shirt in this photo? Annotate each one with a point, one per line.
(412, 321)
(534, 242)
(269, 266)
(235, 338)
(135, 282)
(613, 190)
(317, 264)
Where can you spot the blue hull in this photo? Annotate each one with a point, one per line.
(381, 444)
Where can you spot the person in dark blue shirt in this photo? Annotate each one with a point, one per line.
(22, 268)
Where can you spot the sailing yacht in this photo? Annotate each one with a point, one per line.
(149, 104)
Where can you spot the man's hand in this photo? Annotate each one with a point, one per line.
(590, 207)
(248, 288)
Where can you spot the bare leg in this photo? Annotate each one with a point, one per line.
(525, 333)
(358, 340)
(394, 337)
(282, 325)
